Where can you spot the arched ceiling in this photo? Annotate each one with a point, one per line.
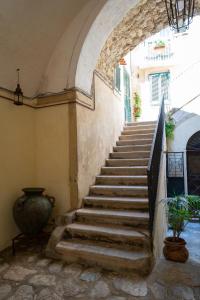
(58, 44)
(29, 32)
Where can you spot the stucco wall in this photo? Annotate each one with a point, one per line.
(160, 220)
(52, 154)
(17, 162)
(97, 132)
(183, 132)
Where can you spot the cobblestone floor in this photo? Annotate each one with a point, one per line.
(31, 276)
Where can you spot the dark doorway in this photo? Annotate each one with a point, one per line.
(193, 164)
(175, 174)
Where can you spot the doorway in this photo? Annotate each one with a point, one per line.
(193, 164)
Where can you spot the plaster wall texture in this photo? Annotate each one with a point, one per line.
(97, 132)
(183, 132)
(53, 154)
(108, 18)
(17, 162)
(61, 69)
(160, 220)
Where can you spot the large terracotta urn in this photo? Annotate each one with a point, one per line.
(32, 210)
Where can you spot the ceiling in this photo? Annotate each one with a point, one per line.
(29, 33)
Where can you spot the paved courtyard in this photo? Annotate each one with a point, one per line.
(31, 276)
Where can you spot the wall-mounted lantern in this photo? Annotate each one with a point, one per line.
(18, 94)
(180, 14)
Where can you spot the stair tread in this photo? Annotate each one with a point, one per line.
(127, 187)
(125, 167)
(116, 199)
(113, 213)
(83, 246)
(122, 176)
(112, 230)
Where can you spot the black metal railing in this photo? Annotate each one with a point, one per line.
(154, 164)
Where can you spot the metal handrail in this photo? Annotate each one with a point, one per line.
(154, 164)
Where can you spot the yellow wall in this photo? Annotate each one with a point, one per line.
(52, 154)
(17, 162)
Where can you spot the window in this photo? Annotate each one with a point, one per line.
(159, 83)
(118, 78)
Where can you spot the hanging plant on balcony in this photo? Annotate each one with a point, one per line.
(159, 45)
(136, 106)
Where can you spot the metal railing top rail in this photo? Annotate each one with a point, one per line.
(185, 104)
(154, 136)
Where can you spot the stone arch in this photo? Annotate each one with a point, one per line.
(144, 18)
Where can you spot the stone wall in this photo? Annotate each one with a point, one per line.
(142, 21)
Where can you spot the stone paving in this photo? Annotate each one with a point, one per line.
(29, 275)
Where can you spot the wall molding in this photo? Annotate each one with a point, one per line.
(68, 96)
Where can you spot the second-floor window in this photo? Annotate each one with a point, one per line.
(159, 83)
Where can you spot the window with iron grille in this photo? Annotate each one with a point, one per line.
(159, 83)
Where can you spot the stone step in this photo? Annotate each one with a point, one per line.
(132, 154)
(144, 126)
(141, 123)
(113, 216)
(119, 190)
(136, 136)
(135, 170)
(114, 233)
(128, 148)
(138, 131)
(121, 180)
(103, 255)
(116, 202)
(118, 162)
(134, 142)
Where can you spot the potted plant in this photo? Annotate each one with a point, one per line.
(169, 127)
(137, 106)
(159, 45)
(178, 214)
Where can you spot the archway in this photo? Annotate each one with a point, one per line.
(193, 164)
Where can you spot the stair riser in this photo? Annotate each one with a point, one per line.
(131, 148)
(139, 127)
(123, 171)
(127, 155)
(133, 142)
(128, 163)
(121, 181)
(136, 137)
(118, 192)
(113, 205)
(138, 131)
(141, 266)
(135, 124)
(108, 237)
(94, 219)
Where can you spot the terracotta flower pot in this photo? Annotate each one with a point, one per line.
(175, 249)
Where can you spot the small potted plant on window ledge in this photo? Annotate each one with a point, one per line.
(178, 214)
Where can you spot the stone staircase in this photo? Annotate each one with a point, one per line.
(111, 229)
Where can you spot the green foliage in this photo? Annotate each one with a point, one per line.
(169, 127)
(137, 105)
(177, 213)
(160, 43)
(194, 205)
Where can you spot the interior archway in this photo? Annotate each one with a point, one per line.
(193, 164)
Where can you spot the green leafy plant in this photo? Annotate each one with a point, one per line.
(160, 44)
(178, 214)
(137, 105)
(169, 127)
(194, 206)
